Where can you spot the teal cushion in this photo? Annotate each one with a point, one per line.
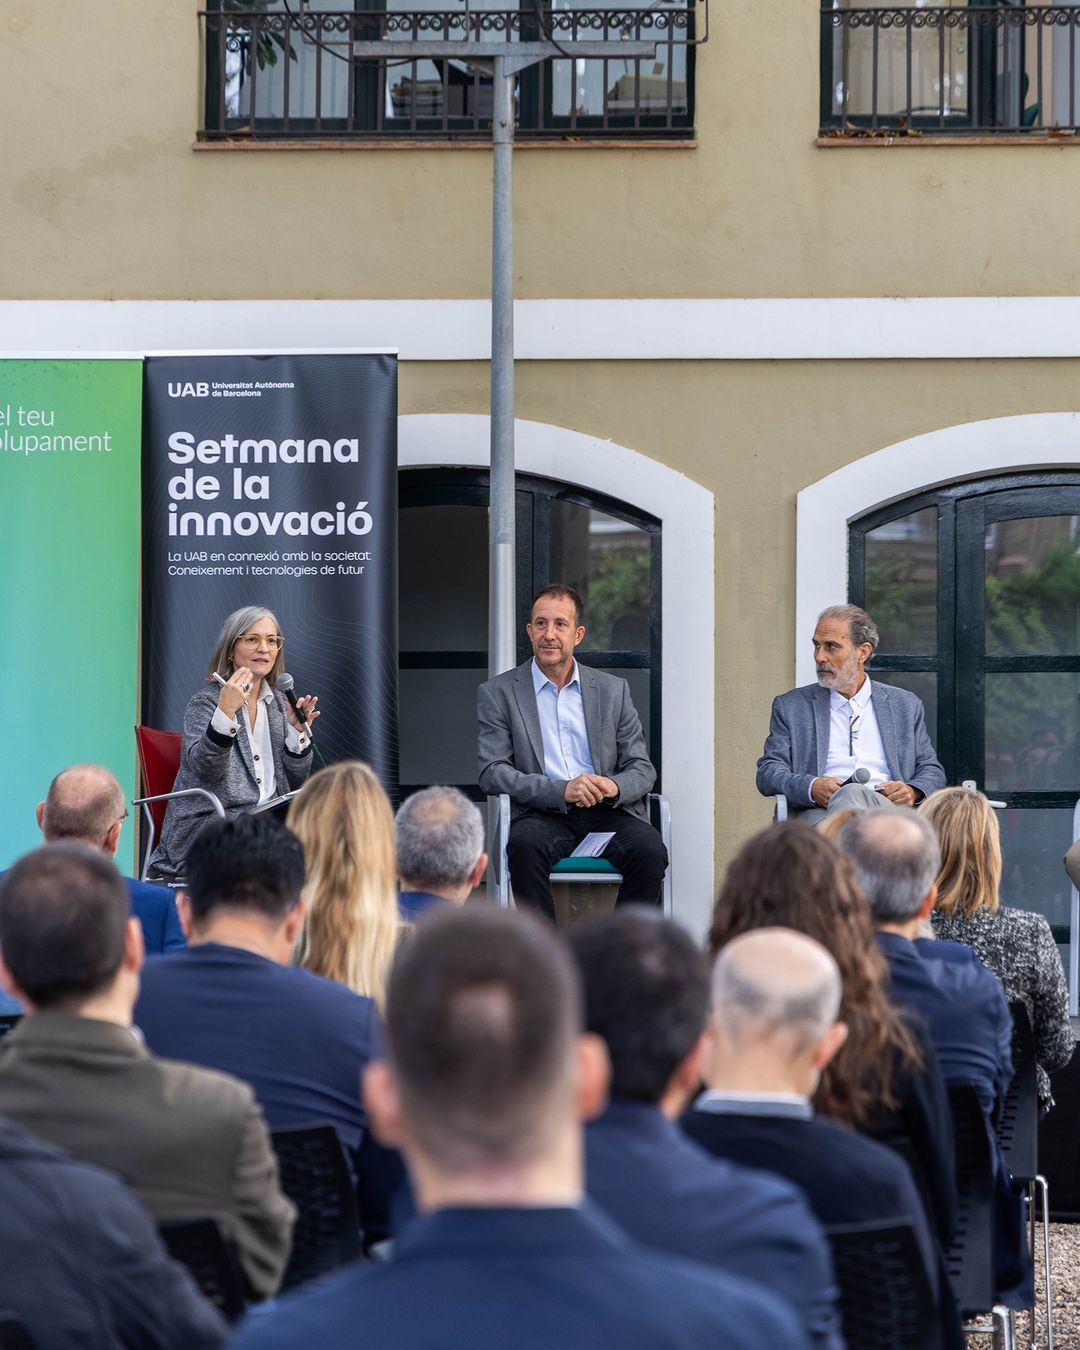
(583, 865)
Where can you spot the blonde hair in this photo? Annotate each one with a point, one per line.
(970, 843)
(344, 821)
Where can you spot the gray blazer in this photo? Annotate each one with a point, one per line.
(191, 1143)
(798, 742)
(224, 765)
(510, 747)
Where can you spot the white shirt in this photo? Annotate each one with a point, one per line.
(562, 726)
(855, 746)
(262, 751)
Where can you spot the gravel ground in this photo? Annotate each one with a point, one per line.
(1065, 1275)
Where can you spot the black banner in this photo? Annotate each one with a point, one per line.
(272, 480)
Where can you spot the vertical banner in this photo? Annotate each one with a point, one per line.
(69, 572)
(272, 480)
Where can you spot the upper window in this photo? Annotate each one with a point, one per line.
(282, 69)
(1000, 67)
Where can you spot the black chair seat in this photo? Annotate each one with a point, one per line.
(969, 1258)
(885, 1298)
(200, 1245)
(316, 1177)
(1018, 1128)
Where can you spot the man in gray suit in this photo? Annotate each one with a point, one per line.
(566, 744)
(190, 1143)
(821, 734)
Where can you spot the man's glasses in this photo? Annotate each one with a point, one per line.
(272, 640)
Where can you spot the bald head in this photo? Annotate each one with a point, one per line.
(82, 806)
(778, 987)
(896, 860)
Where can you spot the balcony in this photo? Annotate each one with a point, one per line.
(988, 71)
(280, 71)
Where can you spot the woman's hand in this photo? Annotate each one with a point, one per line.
(307, 706)
(234, 691)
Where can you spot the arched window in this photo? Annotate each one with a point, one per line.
(975, 588)
(603, 548)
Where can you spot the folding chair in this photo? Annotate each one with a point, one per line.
(885, 1295)
(969, 1258)
(584, 870)
(200, 1245)
(316, 1177)
(1018, 1135)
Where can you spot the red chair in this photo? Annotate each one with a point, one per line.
(159, 763)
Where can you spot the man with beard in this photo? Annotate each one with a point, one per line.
(821, 734)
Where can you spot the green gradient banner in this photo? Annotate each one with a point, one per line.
(70, 440)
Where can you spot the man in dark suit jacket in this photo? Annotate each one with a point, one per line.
(85, 805)
(80, 1262)
(192, 1144)
(485, 1082)
(233, 1001)
(776, 995)
(820, 734)
(566, 744)
(959, 1002)
(647, 996)
(439, 836)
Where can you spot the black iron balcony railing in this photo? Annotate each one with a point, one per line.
(276, 70)
(950, 69)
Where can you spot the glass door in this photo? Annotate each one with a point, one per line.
(1018, 663)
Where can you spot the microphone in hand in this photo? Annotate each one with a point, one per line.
(859, 776)
(287, 685)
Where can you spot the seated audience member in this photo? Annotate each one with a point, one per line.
(647, 996)
(776, 995)
(85, 805)
(1015, 944)
(81, 1264)
(885, 1080)
(440, 850)
(232, 1000)
(485, 1084)
(350, 930)
(192, 1144)
(961, 1004)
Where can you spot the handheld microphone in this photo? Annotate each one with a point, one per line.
(287, 685)
(859, 776)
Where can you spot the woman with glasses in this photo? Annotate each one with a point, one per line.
(243, 741)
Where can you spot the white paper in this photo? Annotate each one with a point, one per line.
(593, 845)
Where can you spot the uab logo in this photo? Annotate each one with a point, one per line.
(189, 390)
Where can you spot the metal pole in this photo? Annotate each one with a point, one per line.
(501, 620)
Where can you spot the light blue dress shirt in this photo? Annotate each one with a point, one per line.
(562, 725)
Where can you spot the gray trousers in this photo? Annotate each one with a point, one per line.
(850, 795)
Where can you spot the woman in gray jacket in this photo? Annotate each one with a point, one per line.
(243, 740)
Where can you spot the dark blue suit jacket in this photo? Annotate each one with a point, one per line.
(155, 909)
(845, 1177)
(301, 1042)
(411, 904)
(668, 1193)
(964, 1011)
(531, 1279)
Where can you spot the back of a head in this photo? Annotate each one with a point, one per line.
(968, 835)
(244, 862)
(440, 836)
(777, 988)
(82, 805)
(895, 856)
(790, 876)
(646, 989)
(482, 1010)
(64, 911)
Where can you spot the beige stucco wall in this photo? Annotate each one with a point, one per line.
(104, 195)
